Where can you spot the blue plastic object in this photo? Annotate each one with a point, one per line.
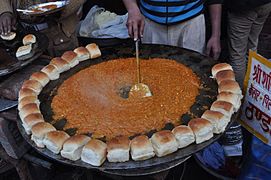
(212, 156)
(258, 164)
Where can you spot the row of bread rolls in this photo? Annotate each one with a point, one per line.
(28, 106)
(120, 149)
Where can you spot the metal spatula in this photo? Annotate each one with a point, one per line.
(139, 90)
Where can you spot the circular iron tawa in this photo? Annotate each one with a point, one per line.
(199, 64)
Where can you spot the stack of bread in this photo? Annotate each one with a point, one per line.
(25, 51)
(121, 149)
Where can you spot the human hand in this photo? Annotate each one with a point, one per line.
(135, 24)
(7, 23)
(213, 48)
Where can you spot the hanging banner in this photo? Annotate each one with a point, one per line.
(256, 108)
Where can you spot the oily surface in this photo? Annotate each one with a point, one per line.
(90, 100)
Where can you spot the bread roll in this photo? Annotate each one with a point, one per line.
(224, 107)
(94, 152)
(28, 100)
(82, 54)
(232, 98)
(71, 58)
(184, 135)
(29, 39)
(25, 92)
(164, 143)
(225, 75)
(230, 86)
(41, 77)
(72, 148)
(30, 120)
(93, 50)
(118, 149)
(23, 50)
(60, 64)
(51, 71)
(29, 109)
(54, 140)
(202, 129)
(8, 37)
(218, 120)
(39, 131)
(34, 85)
(220, 67)
(141, 148)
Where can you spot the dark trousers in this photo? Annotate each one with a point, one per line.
(244, 28)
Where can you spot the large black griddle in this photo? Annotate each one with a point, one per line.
(8, 61)
(201, 65)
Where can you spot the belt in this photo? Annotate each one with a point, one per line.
(37, 27)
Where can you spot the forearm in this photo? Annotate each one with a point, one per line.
(215, 16)
(131, 5)
(5, 6)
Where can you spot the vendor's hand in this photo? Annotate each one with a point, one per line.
(7, 23)
(213, 48)
(135, 24)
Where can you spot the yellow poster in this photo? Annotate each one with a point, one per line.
(256, 108)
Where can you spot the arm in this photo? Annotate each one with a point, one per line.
(213, 46)
(7, 19)
(135, 22)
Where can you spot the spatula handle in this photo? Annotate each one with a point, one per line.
(138, 62)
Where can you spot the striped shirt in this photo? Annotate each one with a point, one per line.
(171, 11)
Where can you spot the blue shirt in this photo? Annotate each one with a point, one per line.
(171, 11)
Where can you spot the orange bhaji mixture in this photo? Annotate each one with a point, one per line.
(90, 99)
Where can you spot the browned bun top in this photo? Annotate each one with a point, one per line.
(35, 117)
(92, 46)
(81, 51)
(24, 92)
(120, 142)
(59, 62)
(49, 69)
(223, 105)
(58, 137)
(69, 56)
(97, 146)
(198, 123)
(29, 39)
(225, 75)
(229, 97)
(225, 95)
(39, 76)
(163, 136)
(182, 129)
(41, 128)
(32, 107)
(220, 67)
(140, 141)
(229, 86)
(32, 84)
(209, 114)
(28, 100)
(77, 140)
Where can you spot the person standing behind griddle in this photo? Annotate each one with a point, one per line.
(177, 23)
(245, 22)
(59, 30)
